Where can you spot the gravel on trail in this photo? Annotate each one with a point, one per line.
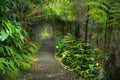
(47, 67)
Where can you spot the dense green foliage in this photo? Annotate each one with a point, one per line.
(91, 48)
(60, 8)
(105, 16)
(87, 63)
(15, 49)
(95, 22)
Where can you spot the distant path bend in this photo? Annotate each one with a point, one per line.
(46, 67)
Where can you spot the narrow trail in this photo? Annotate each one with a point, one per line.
(46, 67)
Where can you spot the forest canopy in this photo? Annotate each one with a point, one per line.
(86, 34)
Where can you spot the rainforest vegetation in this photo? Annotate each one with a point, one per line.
(86, 33)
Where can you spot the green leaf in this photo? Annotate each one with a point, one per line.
(2, 68)
(91, 66)
(78, 55)
(10, 29)
(2, 60)
(3, 36)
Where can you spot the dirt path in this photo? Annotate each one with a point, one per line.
(46, 67)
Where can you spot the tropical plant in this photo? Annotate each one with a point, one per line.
(105, 14)
(15, 49)
(87, 63)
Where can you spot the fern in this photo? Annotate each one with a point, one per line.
(64, 9)
(14, 50)
(2, 66)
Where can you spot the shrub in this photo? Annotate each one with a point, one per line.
(14, 51)
(87, 63)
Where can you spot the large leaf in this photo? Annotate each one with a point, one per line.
(3, 36)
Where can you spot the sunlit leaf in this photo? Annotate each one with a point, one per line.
(3, 35)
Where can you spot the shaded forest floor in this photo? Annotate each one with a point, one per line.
(46, 67)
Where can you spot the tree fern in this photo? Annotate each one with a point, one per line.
(61, 8)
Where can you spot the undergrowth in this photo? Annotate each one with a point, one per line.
(16, 51)
(87, 63)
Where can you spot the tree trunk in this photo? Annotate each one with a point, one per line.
(86, 28)
(77, 31)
